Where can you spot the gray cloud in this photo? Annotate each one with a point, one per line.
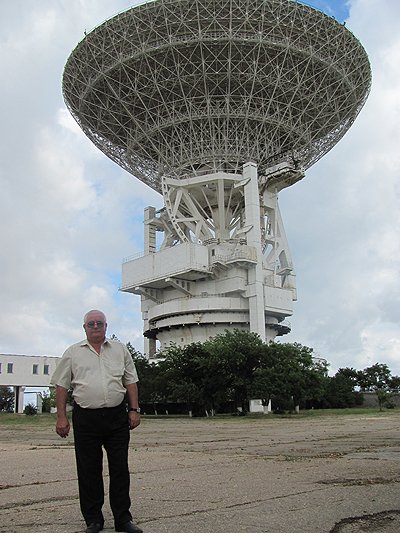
(70, 215)
(343, 220)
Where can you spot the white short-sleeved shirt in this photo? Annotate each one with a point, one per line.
(97, 380)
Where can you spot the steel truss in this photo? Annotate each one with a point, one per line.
(217, 105)
(174, 87)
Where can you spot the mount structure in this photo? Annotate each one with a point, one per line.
(217, 105)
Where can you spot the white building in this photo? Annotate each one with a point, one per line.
(218, 106)
(21, 371)
(231, 269)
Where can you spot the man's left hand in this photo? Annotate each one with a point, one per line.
(134, 419)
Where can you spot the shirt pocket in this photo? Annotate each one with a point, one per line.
(115, 370)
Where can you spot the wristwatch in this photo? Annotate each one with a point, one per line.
(137, 409)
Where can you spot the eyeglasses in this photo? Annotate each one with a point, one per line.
(93, 323)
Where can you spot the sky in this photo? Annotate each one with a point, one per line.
(70, 215)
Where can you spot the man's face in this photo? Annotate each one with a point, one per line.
(95, 327)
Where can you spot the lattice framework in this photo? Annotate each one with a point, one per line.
(179, 87)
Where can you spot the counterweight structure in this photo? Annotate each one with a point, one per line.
(218, 105)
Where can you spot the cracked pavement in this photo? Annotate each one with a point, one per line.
(318, 474)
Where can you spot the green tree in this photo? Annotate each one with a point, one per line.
(182, 382)
(270, 377)
(6, 399)
(195, 374)
(136, 355)
(316, 379)
(237, 355)
(340, 391)
(395, 383)
(205, 371)
(377, 378)
(152, 383)
(288, 376)
(306, 377)
(149, 383)
(46, 402)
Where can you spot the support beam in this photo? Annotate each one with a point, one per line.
(255, 274)
(150, 348)
(182, 286)
(149, 230)
(152, 294)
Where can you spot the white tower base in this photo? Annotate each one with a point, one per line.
(224, 262)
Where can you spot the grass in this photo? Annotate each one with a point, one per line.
(366, 411)
(46, 420)
(21, 420)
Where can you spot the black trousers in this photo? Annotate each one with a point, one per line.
(93, 430)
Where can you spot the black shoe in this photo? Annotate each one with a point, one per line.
(94, 527)
(129, 527)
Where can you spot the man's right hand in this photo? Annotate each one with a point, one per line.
(62, 426)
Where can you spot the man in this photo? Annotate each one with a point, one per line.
(101, 374)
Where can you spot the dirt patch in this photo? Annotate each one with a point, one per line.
(253, 475)
(386, 522)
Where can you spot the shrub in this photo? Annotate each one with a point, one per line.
(46, 403)
(30, 410)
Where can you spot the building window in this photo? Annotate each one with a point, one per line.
(10, 368)
(35, 369)
(46, 370)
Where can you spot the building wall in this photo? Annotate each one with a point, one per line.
(26, 370)
(371, 399)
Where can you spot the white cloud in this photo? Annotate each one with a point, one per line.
(70, 214)
(346, 251)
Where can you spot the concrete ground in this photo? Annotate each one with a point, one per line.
(246, 475)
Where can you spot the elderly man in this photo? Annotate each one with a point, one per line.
(101, 374)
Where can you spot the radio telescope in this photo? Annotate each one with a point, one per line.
(218, 105)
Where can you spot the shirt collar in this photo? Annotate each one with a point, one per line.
(85, 342)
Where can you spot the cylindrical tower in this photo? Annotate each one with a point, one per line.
(218, 105)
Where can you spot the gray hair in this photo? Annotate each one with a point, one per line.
(94, 311)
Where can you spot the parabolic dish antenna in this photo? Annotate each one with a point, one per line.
(174, 87)
(217, 105)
